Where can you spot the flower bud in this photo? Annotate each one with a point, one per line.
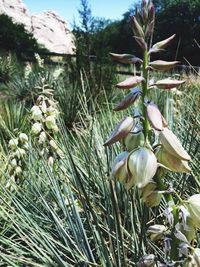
(142, 164)
(125, 58)
(23, 137)
(51, 161)
(53, 144)
(130, 82)
(134, 140)
(119, 167)
(13, 143)
(50, 122)
(196, 256)
(193, 206)
(156, 231)
(120, 131)
(20, 153)
(171, 143)
(13, 162)
(51, 111)
(168, 83)
(36, 128)
(43, 107)
(150, 28)
(141, 42)
(42, 137)
(147, 190)
(170, 161)
(18, 170)
(147, 261)
(162, 44)
(162, 65)
(137, 28)
(193, 260)
(154, 116)
(153, 199)
(151, 11)
(36, 113)
(25, 146)
(60, 153)
(128, 100)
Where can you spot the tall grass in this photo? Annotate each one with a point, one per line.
(75, 214)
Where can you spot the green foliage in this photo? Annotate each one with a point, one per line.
(92, 51)
(9, 67)
(14, 37)
(77, 216)
(183, 18)
(172, 16)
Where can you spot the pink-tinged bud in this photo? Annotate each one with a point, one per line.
(130, 82)
(151, 11)
(144, 11)
(119, 167)
(150, 28)
(141, 42)
(162, 65)
(161, 45)
(128, 100)
(126, 58)
(170, 161)
(168, 83)
(137, 29)
(171, 143)
(142, 165)
(154, 116)
(121, 130)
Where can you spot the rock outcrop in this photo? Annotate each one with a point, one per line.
(49, 29)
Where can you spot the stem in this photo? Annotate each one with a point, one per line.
(174, 254)
(144, 93)
(161, 185)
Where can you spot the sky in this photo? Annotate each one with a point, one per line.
(67, 9)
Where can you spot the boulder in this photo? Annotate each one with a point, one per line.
(49, 29)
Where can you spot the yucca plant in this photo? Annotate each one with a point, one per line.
(150, 149)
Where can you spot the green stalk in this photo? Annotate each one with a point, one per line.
(168, 197)
(144, 93)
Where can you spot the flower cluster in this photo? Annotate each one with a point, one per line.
(44, 115)
(139, 165)
(18, 152)
(150, 148)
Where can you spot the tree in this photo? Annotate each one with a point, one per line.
(182, 17)
(14, 37)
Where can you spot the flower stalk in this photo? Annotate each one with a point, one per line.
(143, 164)
(144, 94)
